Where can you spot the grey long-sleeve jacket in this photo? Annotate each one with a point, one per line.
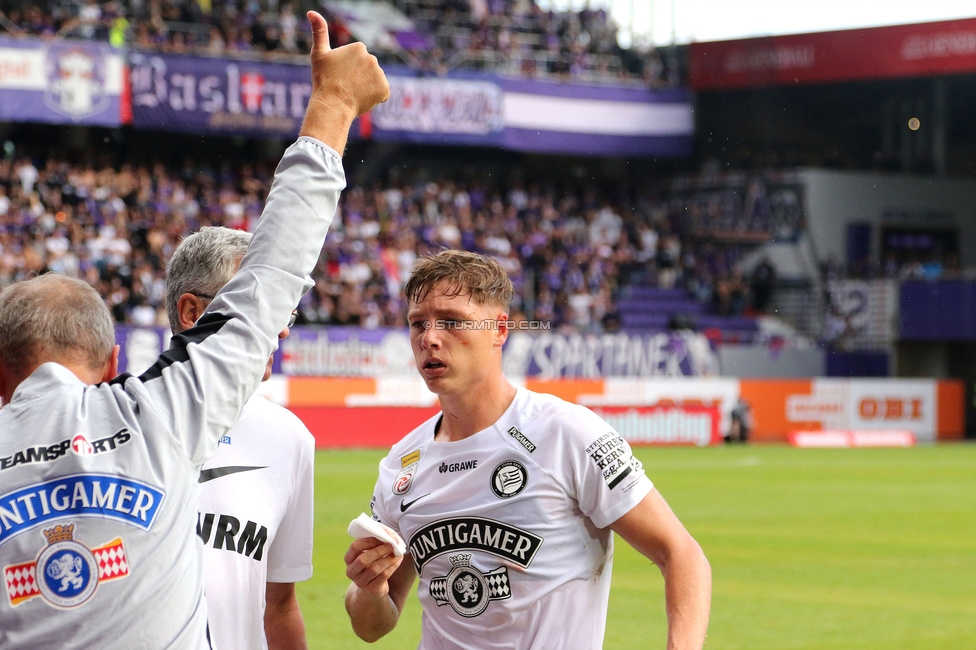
(98, 484)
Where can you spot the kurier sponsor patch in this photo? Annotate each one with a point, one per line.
(613, 456)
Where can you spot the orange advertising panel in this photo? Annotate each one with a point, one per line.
(377, 412)
(327, 391)
(931, 410)
(952, 410)
(767, 399)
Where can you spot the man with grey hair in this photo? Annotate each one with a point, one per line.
(98, 479)
(255, 509)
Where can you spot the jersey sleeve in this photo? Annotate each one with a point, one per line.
(198, 387)
(379, 504)
(290, 556)
(604, 476)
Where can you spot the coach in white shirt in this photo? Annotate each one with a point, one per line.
(256, 492)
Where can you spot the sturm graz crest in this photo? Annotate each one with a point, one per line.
(509, 479)
(467, 590)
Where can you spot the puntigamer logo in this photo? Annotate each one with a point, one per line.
(475, 534)
(126, 500)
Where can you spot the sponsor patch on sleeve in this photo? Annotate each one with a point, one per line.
(612, 455)
(410, 459)
(525, 442)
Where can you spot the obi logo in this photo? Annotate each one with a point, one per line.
(890, 408)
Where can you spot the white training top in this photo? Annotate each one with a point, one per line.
(98, 484)
(255, 520)
(507, 529)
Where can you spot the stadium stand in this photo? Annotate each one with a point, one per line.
(575, 256)
(588, 260)
(513, 37)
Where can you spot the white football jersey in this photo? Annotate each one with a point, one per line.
(508, 529)
(255, 519)
(98, 484)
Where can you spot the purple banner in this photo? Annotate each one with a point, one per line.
(254, 99)
(140, 346)
(61, 82)
(386, 353)
(524, 115)
(308, 351)
(218, 96)
(346, 352)
(552, 355)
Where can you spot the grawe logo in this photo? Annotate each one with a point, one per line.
(457, 467)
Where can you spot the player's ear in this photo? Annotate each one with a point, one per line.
(501, 334)
(112, 365)
(189, 308)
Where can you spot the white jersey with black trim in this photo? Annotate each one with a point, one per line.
(255, 520)
(508, 529)
(98, 484)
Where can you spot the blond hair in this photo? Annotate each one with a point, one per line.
(465, 273)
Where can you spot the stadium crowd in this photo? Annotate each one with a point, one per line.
(233, 28)
(518, 36)
(568, 249)
(513, 36)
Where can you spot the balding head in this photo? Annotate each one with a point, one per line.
(54, 318)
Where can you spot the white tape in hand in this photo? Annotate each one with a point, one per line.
(366, 526)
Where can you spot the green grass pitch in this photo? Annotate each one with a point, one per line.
(810, 548)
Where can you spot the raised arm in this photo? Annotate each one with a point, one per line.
(346, 82)
(654, 530)
(204, 379)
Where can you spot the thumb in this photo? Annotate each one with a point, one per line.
(320, 33)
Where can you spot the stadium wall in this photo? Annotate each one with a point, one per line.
(836, 200)
(386, 399)
(363, 412)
